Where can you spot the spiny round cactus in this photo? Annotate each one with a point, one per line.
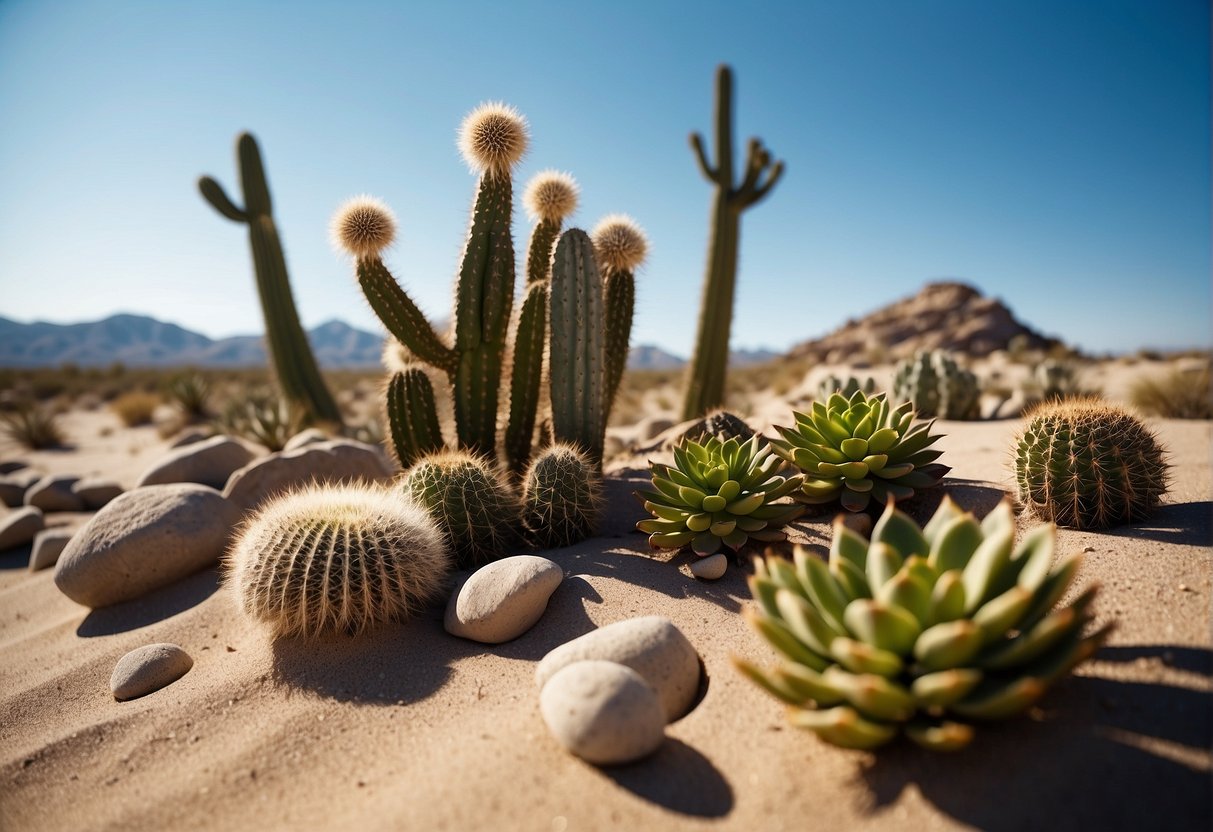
(363, 226)
(619, 243)
(551, 195)
(937, 386)
(561, 497)
(920, 630)
(337, 559)
(833, 384)
(1089, 464)
(857, 450)
(493, 138)
(717, 494)
(469, 501)
(724, 425)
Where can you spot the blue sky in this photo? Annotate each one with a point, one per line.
(1054, 153)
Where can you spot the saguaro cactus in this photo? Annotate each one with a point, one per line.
(705, 377)
(291, 355)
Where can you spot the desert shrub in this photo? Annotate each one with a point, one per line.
(190, 392)
(1176, 395)
(135, 407)
(263, 417)
(32, 426)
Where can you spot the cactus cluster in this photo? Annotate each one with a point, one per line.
(858, 449)
(832, 384)
(921, 630)
(1055, 379)
(294, 365)
(718, 494)
(937, 386)
(1089, 464)
(336, 560)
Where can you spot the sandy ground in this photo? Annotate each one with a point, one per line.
(409, 728)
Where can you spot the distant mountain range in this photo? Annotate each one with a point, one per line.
(141, 341)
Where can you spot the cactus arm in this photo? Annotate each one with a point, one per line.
(619, 289)
(530, 338)
(401, 316)
(709, 172)
(539, 250)
(724, 126)
(412, 416)
(213, 193)
(252, 176)
(577, 376)
(763, 189)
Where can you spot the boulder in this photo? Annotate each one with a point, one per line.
(54, 493)
(145, 539)
(603, 712)
(503, 599)
(18, 528)
(341, 460)
(209, 462)
(147, 669)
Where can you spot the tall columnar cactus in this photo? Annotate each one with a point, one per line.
(294, 365)
(620, 245)
(706, 375)
(937, 386)
(1088, 463)
(412, 416)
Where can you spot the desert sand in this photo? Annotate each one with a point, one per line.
(411, 728)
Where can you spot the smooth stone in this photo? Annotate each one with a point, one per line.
(13, 487)
(650, 645)
(341, 460)
(54, 493)
(147, 669)
(48, 546)
(209, 462)
(603, 712)
(145, 539)
(859, 523)
(11, 465)
(711, 567)
(18, 528)
(311, 436)
(503, 599)
(190, 436)
(96, 493)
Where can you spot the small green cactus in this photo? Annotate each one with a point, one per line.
(718, 494)
(1089, 464)
(336, 560)
(472, 504)
(920, 630)
(1056, 379)
(620, 246)
(833, 384)
(412, 416)
(937, 386)
(561, 497)
(857, 450)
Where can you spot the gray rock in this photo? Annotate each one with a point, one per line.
(650, 645)
(54, 493)
(48, 545)
(653, 426)
(340, 460)
(11, 465)
(18, 528)
(311, 436)
(503, 599)
(145, 539)
(147, 669)
(603, 712)
(13, 486)
(209, 462)
(96, 493)
(711, 567)
(190, 436)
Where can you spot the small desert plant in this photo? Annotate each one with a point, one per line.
(718, 494)
(470, 501)
(1177, 395)
(857, 450)
(561, 497)
(264, 418)
(32, 426)
(1088, 463)
(919, 630)
(847, 387)
(190, 392)
(136, 407)
(337, 560)
(937, 386)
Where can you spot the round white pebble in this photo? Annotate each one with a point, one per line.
(147, 669)
(711, 567)
(603, 712)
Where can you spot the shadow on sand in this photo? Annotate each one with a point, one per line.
(151, 608)
(678, 778)
(1181, 523)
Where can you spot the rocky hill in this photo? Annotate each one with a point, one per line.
(943, 315)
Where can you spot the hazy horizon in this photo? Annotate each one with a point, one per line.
(1052, 154)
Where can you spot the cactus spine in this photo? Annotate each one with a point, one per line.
(294, 365)
(561, 497)
(412, 416)
(706, 375)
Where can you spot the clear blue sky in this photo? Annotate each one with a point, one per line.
(1054, 153)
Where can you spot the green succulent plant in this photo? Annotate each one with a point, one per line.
(718, 494)
(921, 630)
(937, 386)
(857, 450)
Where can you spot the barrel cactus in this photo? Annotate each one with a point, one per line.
(1089, 464)
(718, 494)
(921, 630)
(561, 497)
(937, 386)
(857, 450)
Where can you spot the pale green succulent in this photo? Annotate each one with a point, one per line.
(718, 494)
(920, 630)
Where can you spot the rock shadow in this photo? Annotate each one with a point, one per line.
(677, 778)
(564, 620)
(17, 557)
(152, 608)
(1102, 754)
(1188, 524)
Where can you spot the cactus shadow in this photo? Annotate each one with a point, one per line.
(1102, 753)
(1181, 523)
(677, 778)
(152, 608)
